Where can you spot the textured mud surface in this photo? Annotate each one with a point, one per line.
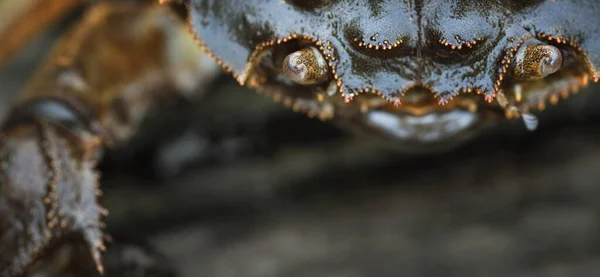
(264, 192)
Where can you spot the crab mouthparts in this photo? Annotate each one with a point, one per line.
(419, 102)
(419, 118)
(431, 127)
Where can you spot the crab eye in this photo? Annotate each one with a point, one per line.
(535, 60)
(306, 66)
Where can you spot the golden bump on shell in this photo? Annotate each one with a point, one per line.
(462, 44)
(385, 45)
(442, 101)
(55, 218)
(207, 51)
(370, 90)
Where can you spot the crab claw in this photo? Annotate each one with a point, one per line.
(48, 197)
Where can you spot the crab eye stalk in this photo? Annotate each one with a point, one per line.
(536, 60)
(306, 66)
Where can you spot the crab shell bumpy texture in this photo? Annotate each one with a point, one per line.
(388, 47)
(48, 195)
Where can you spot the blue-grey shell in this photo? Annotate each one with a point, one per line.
(390, 46)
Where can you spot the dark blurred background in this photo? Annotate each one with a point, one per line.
(235, 185)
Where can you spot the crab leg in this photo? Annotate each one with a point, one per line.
(92, 91)
(23, 19)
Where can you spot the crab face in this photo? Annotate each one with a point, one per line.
(420, 71)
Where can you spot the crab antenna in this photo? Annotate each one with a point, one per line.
(530, 120)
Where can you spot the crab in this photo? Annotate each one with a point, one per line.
(420, 74)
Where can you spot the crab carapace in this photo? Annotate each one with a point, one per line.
(420, 71)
